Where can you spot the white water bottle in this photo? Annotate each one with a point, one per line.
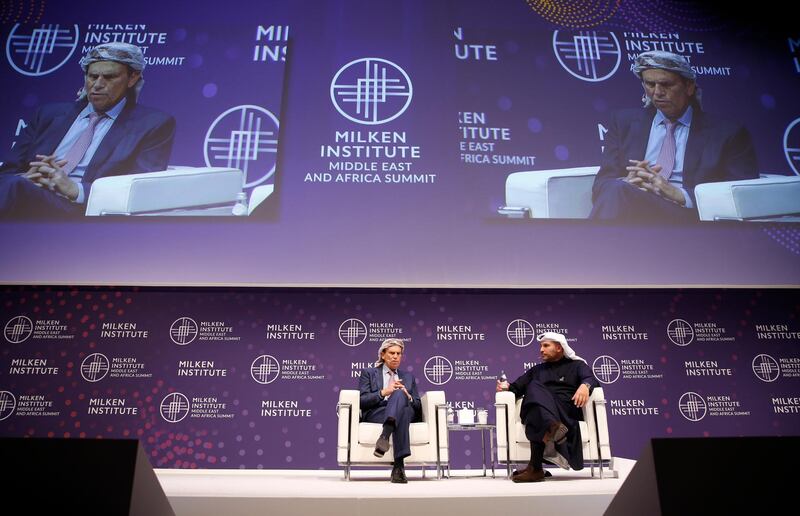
(240, 208)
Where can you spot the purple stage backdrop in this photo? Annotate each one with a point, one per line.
(250, 379)
(399, 124)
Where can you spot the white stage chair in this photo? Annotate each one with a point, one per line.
(179, 191)
(773, 198)
(356, 440)
(513, 446)
(564, 193)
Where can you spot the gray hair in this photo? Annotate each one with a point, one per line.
(660, 60)
(386, 344)
(123, 53)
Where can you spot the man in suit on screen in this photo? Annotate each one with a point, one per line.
(67, 146)
(654, 157)
(389, 396)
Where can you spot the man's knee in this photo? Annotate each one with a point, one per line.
(613, 199)
(14, 190)
(398, 394)
(14, 183)
(619, 199)
(20, 197)
(395, 404)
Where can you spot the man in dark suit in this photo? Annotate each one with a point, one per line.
(554, 391)
(654, 157)
(67, 146)
(389, 396)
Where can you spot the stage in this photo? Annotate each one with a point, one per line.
(287, 492)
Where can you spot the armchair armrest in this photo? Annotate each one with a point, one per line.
(349, 411)
(556, 194)
(766, 197)
(505, 417)
(166, 190)
(430, 400)
(598, 401)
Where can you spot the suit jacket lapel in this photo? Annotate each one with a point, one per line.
(109, 143)
(379, 377)
(640, 134)
(694, 148)
(58, 128)
(407, 380)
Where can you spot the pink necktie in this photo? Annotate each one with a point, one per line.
(666, 157)
(391, 379)
(78, 149)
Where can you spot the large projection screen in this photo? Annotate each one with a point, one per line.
(415, 143)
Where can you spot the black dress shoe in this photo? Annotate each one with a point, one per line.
(521, 471)
(381, 446)
(516, 472)
(399, 475)
(529, 475)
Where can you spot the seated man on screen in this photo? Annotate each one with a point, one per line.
(554, 392)
(66, 146)
(654, 157)
(389, 396)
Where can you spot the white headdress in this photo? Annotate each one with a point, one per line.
(561, 339)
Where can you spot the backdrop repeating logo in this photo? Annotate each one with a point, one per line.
(791, 145)
(589, 55)
(520, 333)
(18, 329)
(7, 404)
(265, 369)
(352, 332)
(692, 406)
(766, 368)
(95, 367)
(174, 407)
(606, 369)
(438, 370)
(183, 331)
(42, 51)
(371, 91)
(680, 332)
(244, 137)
